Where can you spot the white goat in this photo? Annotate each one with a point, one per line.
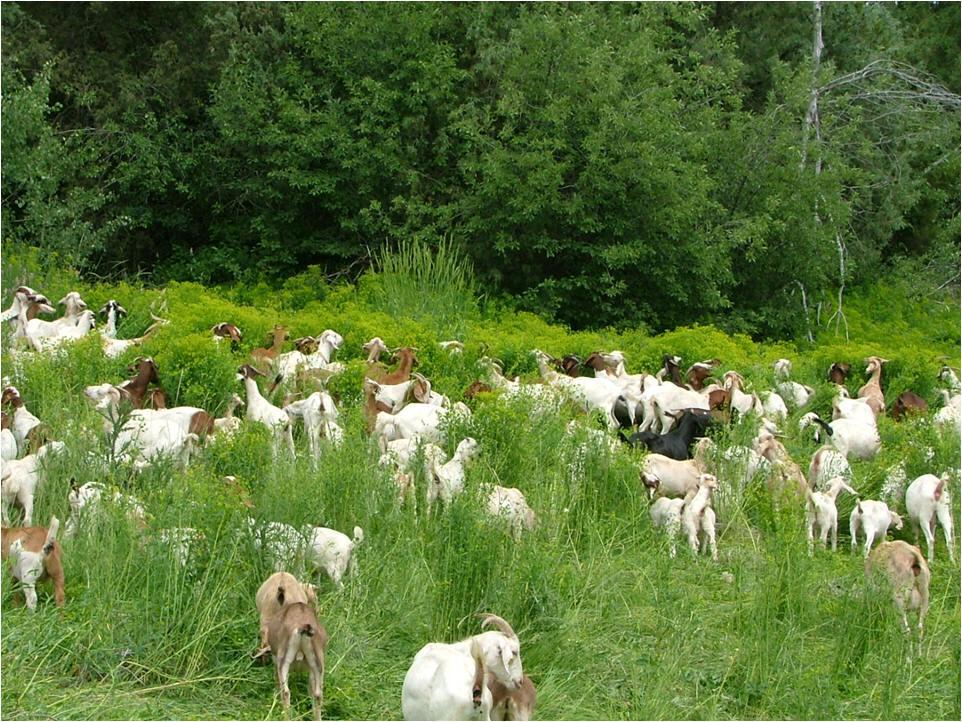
(20, 480)
(333, 552)
(414, 420)
(874, 518)
(926, 500)
(740, 401)
(25, 425)
(851, 437)
(85, 322)
(698, 518)
(37, 330)
(320, 415)
(951, 412)
(8, 442)
(826, 464)
(666, 513)
(261, 410)
(448, 478)
(86, 500)
(664, 476)
(448, 681)
(509, 504)
(821, 514)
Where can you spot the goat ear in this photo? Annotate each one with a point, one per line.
(506, 655)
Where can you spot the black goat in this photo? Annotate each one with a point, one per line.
(676, 444)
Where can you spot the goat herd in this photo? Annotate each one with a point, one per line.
(480, 677)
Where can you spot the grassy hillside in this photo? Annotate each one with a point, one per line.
(610, 627)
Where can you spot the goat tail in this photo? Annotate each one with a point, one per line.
(828, 429)
(275, 383)
(358, 535)
(478, 683)
(51, 535)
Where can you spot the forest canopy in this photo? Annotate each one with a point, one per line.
(616, 164)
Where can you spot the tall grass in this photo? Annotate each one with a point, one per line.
(434, 285)
(611, 628)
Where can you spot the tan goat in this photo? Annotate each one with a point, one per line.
(872, 391)
(517, 704)
(907, 573)
(298, 640)
(268, 605)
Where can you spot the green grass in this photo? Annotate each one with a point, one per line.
(611, 628)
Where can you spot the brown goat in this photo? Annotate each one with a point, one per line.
(872, 391)
(228, 330)
(671, 366)
(33, 539)
(700, 372)
(371, 405)
(37, 435)
(908, 575)
(907, 403)
(406, 361)
(515, 704)
(476, 388)
(838, 372)
(264, 357)
(298, 639)
(136, 388)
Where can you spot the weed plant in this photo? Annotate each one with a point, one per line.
(611, 628)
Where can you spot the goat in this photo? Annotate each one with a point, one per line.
(773, 406)
(40, 334)
(452, 346)
(874, 519)
(333, 552)
(850, 436)
(826, 464)
(85, 500)
(787, 477)
(21, 299)
(264, 357)
(412, 421)
(373, 407)
(951, 413)
(85, 323)
(699, 373)
(515, 704)
(448, 681)
(666, 513)
(113, 311)
(448, 478)
(509, 504)
(821, 514)
(662, 404)
(908, 402)
(268, 606)
(261, 410)
(907, 574)
(8, 442)
(740, 401)
(838, 372)
(698, 518)
(406, 360)
(114, 347)
(136, 388)
(31, 306)
(35, 555)
(28, 431)
(319, 414)
(926, 500)
(872, 391)
(297, 639)
(224, 330)
(665, 476)
(20, 479)
(228, 424)
(675, 444)
(950, 377)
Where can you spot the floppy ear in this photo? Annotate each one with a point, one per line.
(506, 655)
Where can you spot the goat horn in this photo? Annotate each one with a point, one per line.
(497, 621)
